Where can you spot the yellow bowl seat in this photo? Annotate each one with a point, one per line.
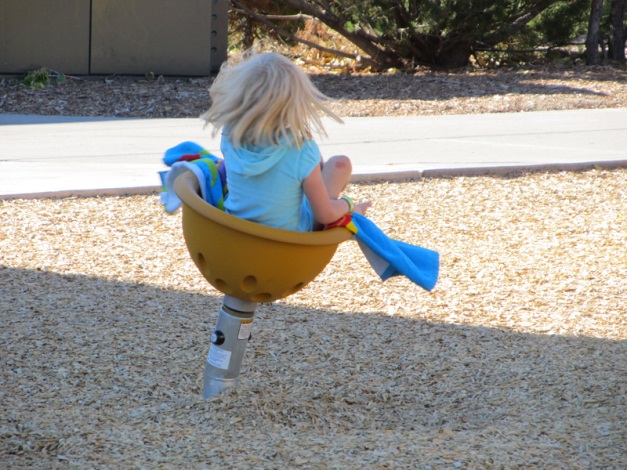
(246, 260)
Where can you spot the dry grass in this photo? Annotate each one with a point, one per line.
(516, 360)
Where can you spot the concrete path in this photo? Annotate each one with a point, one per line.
(60, 156)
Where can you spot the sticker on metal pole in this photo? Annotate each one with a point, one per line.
(219, 358)
(245, 329)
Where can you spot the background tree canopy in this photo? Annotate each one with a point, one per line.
(440, 33)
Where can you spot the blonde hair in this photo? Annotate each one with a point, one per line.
(264, 99)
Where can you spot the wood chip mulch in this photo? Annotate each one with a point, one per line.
(518, 358)
(424, 93)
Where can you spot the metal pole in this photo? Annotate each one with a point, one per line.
(228, 345)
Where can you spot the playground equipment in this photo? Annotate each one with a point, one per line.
(249, 263)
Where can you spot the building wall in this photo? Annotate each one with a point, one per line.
(80, 37)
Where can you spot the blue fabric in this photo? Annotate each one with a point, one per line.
(387, 257)
(174, 154)
(214, 189)
(420, 265)
(256, 174)
(205, 166)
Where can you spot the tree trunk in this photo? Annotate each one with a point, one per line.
(371, 45)
(617, 31)
(594, 34)
(454, 53)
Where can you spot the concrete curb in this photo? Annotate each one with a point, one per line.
(505, 170)
(357, 178)
(84, 193)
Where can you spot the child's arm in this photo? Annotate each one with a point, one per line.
(325, 209)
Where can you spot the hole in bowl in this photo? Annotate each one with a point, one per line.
(249, 284)
(294, 289)
(202, 262)
(222, 286)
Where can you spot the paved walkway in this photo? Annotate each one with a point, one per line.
(61, 156)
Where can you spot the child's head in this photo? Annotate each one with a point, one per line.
(264, 99)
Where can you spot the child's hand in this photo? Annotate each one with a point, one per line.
(362, 207)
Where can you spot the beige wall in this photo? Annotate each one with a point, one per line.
(166, 37)
(44, 33)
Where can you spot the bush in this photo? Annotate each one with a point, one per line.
(441, 33)
(41, 78)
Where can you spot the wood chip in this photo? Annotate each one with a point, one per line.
(516, 359)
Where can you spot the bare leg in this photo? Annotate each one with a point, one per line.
(336, 173)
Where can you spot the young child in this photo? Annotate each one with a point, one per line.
(268, 110)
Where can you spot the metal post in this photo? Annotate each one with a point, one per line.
(228, 345)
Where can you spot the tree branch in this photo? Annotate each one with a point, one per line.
(296, 17)
(378, 56)
(519, 22)
(263, 19)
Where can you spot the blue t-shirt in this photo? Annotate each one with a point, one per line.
(266, 183)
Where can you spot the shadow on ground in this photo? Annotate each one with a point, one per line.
(444, 87)
(90, 378)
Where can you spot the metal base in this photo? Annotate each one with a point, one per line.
(228, 345)
(215, 386)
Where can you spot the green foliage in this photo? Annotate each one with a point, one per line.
(560, 23)
(37, 78)
(433, 32)
(545, 38)
(41, 78)
(404, 33)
